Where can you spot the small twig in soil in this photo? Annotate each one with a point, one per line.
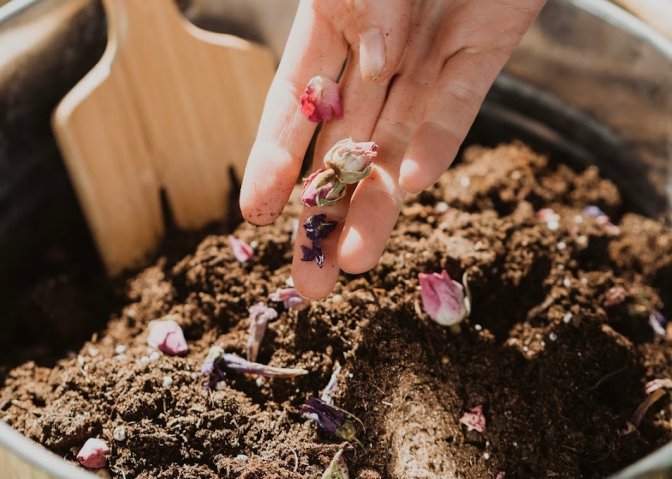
(607, 378)
(641, 410)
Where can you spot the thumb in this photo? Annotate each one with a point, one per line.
(383, 27)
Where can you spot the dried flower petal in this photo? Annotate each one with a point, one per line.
(260, 315)
(351, 160)
(167, 336)
(93, 454)
(656, 384)
(474, 419)
(501, 475)
(317, 228)
(289, 297)
(217, 363)
(241, 250)
(658, 322)
(602, 219)
(443, 299)
(331, 386)
(338, 469)
(322, 188)
(614, 296)
(330, 419)
(321, 100)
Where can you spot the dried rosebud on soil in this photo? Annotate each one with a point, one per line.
(321, 100)
(656, 384)
(614, 296)
(93, 454)
(317, 228)
(322, 188)
(443, 298)
(289, 297)
(338, 469)
(241, 250)
(260, 315)
(330, 419)
(351, 160)
(217, 363)
(474, 419)
(167, 336)
(658, 322)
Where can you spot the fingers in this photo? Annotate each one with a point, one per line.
(383, 28)
(314, 48)
(456, 99)
(362, 103)
(376, 202)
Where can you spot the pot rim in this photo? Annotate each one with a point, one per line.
(46, 461)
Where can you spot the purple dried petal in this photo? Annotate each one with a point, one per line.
(602, 219)
(241, 250)
(474, 419)
(260, 315)
(308, 253)
(658, 322)
(330, 419)
(319, 255)
(318, 227)
(238, 364)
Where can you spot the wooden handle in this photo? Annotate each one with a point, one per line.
(169, 107)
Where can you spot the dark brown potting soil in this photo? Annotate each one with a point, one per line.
(558, 372)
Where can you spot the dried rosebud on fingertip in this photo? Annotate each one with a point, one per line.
(260, 315)
(321, 100)
(241, 250)
(322, 188)
(351, 160)
(167, 336)
(443, 299)
(474, 419)
(93, 454)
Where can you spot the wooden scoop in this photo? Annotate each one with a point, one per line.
(168, 107)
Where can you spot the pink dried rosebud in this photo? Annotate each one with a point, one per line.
(322, 188)
(657, 384)
(474, 419)
(93, 454)
(602, 219)
(260, 315)
(241, 250)
(321, 100)
(614, 296)
(351, 160)
(443, 298)
(167, 336)
(290, 297)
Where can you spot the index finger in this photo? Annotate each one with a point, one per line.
(314, 47)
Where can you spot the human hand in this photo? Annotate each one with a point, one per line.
(416, 74)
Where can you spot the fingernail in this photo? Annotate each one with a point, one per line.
(371, 54)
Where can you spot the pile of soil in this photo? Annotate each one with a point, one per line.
(558, 372)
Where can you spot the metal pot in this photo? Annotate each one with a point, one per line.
(590, 84)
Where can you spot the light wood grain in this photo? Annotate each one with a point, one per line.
(169, 106)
